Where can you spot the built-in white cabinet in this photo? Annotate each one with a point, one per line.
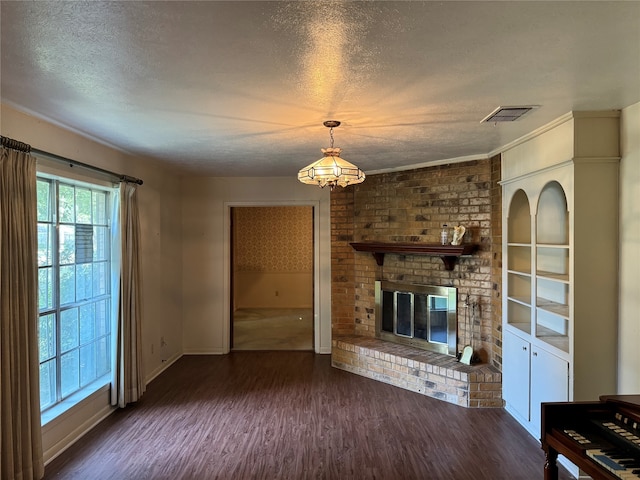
(516, 368)
(560, 258)
(547, 381)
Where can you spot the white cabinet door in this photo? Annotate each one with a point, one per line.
(549, 382)
(515, 374)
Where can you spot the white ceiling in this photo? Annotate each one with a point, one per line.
(242, 88)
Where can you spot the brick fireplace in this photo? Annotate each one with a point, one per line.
(411, 207)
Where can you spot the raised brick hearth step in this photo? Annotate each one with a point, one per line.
(431, 374)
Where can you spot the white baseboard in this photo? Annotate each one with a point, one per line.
(162, 367)
(76, 434)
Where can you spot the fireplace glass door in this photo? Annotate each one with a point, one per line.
(420, 315)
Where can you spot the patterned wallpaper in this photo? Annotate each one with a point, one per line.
(273, 239)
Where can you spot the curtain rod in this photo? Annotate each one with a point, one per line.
(24, 147)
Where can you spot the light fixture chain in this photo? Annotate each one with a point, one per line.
(331, 136)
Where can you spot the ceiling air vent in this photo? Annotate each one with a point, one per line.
(508, 114)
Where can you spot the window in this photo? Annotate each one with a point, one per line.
(74, 279)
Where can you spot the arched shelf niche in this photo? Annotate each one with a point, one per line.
(552, 225)
(552, 285)
(519, 288)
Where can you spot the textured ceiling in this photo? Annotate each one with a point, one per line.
(242, 88)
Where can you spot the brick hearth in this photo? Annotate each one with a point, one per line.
(431, 374)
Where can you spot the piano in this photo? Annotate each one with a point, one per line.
(601, 438)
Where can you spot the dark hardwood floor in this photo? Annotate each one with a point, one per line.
(290, 415)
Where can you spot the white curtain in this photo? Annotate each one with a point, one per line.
(129, 382)
(20, 430)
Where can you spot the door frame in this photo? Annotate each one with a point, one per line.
(228, 273)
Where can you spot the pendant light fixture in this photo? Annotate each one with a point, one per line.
(331, 170)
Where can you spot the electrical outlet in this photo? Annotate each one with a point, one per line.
(162, 342)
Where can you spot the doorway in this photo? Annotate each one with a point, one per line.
(272, 265)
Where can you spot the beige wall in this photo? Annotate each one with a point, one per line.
(273, 257)
(273, 290)
(206, 204)
(629, 314)
(159, 199)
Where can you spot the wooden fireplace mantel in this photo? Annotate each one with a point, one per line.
(448, 253)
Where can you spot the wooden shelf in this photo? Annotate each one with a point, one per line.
(557, 277)
(522, 326)
(526, 301)
(448, 253)
(560, 309)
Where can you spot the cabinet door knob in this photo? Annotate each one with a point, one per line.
(524, 348)
(535, 354)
